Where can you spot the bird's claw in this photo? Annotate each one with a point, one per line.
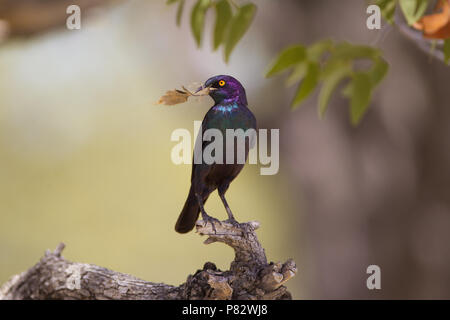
(233, 222)
(211, 220)
(241, 226)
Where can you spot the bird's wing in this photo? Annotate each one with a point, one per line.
(253, 125)
(200, 169)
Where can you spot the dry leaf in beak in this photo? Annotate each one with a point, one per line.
(173, 97)
(176, 96)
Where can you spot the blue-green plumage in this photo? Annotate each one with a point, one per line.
(230, 111)
(225, 108)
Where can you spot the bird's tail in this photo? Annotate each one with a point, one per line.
(189, 214)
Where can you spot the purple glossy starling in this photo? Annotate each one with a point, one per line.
(230, 111)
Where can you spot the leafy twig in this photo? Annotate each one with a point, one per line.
(331, 64)
(231, 25)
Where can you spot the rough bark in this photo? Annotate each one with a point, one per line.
(249, 277)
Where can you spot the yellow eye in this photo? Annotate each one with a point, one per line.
(221, 83)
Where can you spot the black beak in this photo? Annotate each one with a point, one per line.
(199, 89)
(204, 87)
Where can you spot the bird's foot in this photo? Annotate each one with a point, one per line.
(233, 222)
(244, 227)
(211, 220)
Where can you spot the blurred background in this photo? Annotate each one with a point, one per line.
(85, 151)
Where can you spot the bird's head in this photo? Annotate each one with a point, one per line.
(226, 89)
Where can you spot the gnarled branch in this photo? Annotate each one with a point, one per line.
(249, 277)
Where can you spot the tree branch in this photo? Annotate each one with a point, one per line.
(24, 18)
(426, 45)
(249, 277)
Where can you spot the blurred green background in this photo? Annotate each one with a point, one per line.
(85, 151)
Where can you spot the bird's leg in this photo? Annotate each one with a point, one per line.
(231, 218)
(207, 218)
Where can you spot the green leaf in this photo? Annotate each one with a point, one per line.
(413, 10)
(239, 25)
(198, 19)
(316, 50)
(446, 50)
(360, 96)
(223, 17)
(298, 73)
(169, 2)
(330, 82)
(308, 84)
(180, 12)
(348, 90)
(349, 51)
(387, 8)
(287, 58)
(378, 71)
(332, 65)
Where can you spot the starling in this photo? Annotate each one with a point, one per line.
(229, 111)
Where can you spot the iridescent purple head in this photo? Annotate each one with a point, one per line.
(226, 90)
